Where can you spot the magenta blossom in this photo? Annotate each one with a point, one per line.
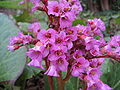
(97, 24)
(52, 71)
(72, 32)
(66, 20)
(95, 73)
(46, 35)
(57, 52)
(61, 64)
(80, 66)
(35, 28)
(78, 54)
(115, 41)
(99, 85)
(60, 38)
(53, 8)
(36, 56)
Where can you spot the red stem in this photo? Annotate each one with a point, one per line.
(68, 75)
(106, 56)
(50, 80)
(60, 82)
(51, 83)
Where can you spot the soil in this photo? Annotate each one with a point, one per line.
(35, 83)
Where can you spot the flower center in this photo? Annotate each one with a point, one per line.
(66, 9)
(48, 45)
(48, 35)
(70, 32)
(56, 9)
(58, 40)
(93, 72)
(78, 65)
(77, 56)
(60, 61)
(64, 18)
(58, 52)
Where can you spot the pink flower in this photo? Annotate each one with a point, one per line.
(52, 71)
(36, 4)
(16, 39)
(21, 39)
(80, 66)
(115, 41)
(78, 54)
(13, 47)
(61, 64)
(96, 62)
(99, 85)
(94, 73)
(60, 38)
(76, 7)
(72, 33)
(36, 63)
(97, 24)
(47, 35)
(36, 56)
(53, 8)
(66, 19)
(27, 39)
(35, 28)
(92, 45)
(57, 52)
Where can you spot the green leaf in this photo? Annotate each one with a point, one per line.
(23, 26)
(114, 76)
(111, 74)
(11, 4)
(24, 17)
(117, 20)
(79, 21)
(97, 37)
(11, 63)
(29, 71)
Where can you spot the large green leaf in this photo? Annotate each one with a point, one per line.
(11, 63)
(111, 74)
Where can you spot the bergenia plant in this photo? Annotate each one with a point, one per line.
(67, 48)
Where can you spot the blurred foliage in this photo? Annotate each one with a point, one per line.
(13, 4)
(79, 21)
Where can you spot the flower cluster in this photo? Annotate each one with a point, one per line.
(64, 47)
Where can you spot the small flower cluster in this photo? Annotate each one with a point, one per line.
(64, 47)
